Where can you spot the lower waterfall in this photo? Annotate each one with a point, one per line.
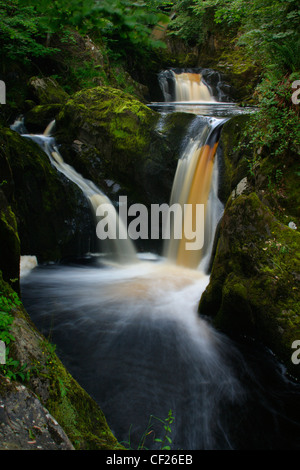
(131, 335)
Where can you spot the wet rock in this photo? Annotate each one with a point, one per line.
(10, 256)
(39, 117)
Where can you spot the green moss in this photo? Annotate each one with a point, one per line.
(255, 280)
(111, 114)
(75, 411)
(235, 155)
(46, 90)
(243, 73)
(10, 243)
(278, 179)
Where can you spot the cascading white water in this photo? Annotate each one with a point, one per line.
(190, 87)
(120, 248)
(196, 170)
(186, 87)
(148, 307)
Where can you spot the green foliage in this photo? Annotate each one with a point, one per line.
(269, 29)
(123, 21)
(6, 319)
(88, 74)
(276, 125)
(268, 32)
(21, 32)
(164, 443)
(188, 23)
(12, 368)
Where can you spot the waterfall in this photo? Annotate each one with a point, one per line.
(194, 85)
(196, 183)
(132, 337)
(190, 87)
(117, 245)
(187, 86)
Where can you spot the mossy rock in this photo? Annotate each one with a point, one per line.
(254, 285)
(46, 90)
(10, 243)
(105, 133)
(277, 178)
(234, 162)
(105, 113)
(113, 126)
(242, 73)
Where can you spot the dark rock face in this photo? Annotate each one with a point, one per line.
(10, 243)
(53, 217)
(25, 424)
(39, 117)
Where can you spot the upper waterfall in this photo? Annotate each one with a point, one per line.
(193, 85)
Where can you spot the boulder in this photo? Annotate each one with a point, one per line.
(105, 133)
(254, 284)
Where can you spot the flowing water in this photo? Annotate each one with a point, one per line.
(120, 247)
(132, 337)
